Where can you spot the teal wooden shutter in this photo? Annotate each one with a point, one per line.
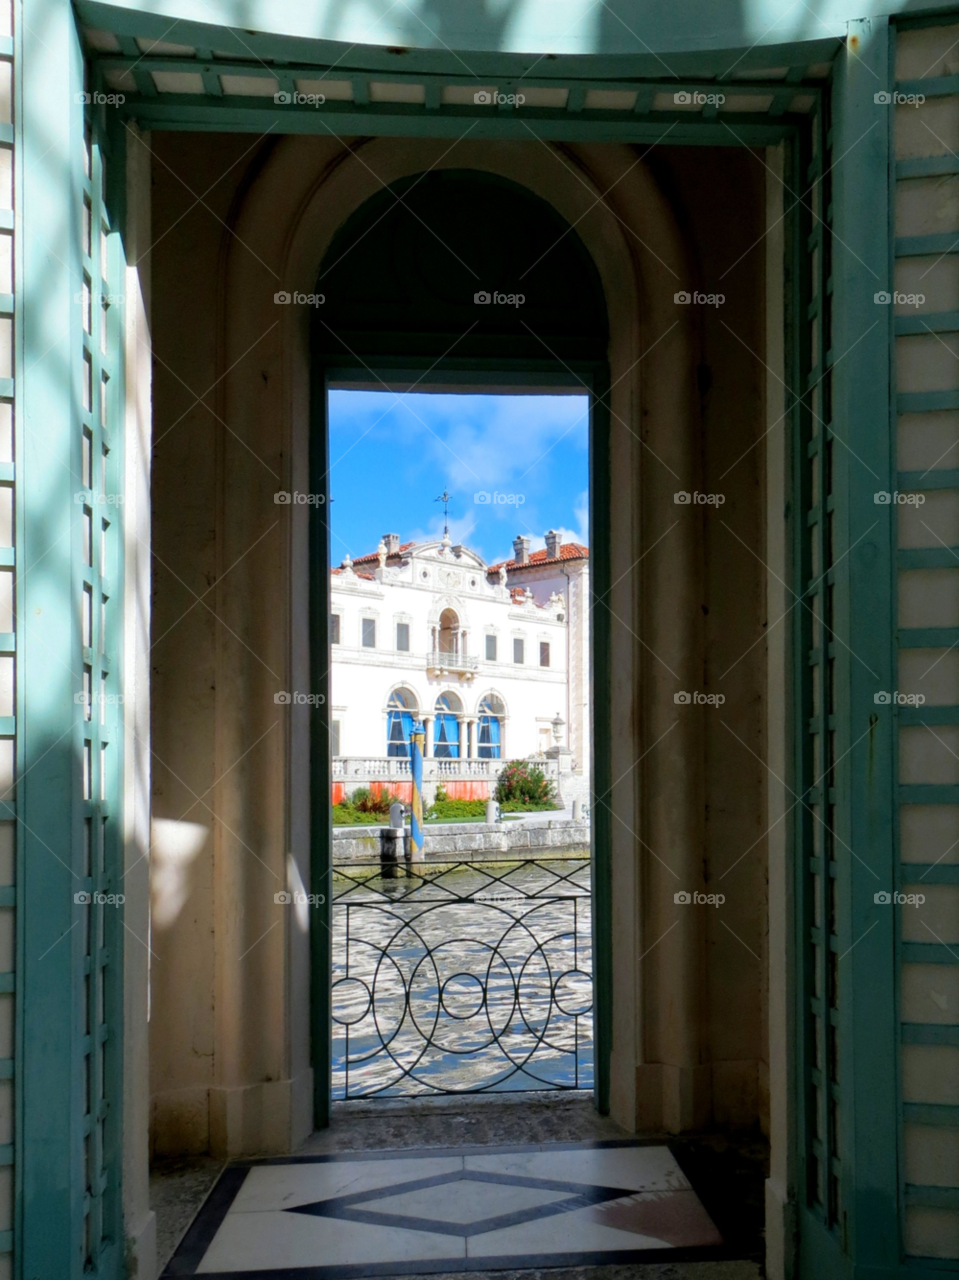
(925, 421)
(844, 856)
(68, 407)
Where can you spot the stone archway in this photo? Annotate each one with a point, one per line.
(282, 225)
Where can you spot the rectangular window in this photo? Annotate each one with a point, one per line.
(334, 628)
(544, 653)
(334, 737)
(403, 637)
(518, 655)
(490, 648)
(369, 633)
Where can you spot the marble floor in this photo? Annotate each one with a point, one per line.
(458, 1209)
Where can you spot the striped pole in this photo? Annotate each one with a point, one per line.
(417, 742)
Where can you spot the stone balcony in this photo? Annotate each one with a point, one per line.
(458, 664)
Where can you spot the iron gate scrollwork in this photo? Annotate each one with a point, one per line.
(464, 978)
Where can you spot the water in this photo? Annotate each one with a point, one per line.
(476, 978)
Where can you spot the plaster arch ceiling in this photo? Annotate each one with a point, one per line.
(459, 258)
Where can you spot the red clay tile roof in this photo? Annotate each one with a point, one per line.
(370, 577)
(567, 551)
(374, 555)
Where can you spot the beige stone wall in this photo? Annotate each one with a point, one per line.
(229, 1038)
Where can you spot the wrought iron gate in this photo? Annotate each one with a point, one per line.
(462, 979)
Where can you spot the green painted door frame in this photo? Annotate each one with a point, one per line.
(68, 403)
(847, 358)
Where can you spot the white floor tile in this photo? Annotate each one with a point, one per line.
(633, 1168)
(574, 1232)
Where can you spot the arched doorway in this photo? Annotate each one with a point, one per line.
(465, 280)
(448, 636)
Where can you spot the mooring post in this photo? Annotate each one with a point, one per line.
(417, 740)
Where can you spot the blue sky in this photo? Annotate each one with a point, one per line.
(391, 455)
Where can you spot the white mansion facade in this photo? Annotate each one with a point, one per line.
(492, 658)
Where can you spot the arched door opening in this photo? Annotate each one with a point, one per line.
(449, 632)
(510, 567)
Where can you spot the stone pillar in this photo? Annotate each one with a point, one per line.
(428, 741)
(461, 722)
(471, 724)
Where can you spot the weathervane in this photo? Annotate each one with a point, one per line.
(445, 499)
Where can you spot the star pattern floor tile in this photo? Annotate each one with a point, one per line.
(389, 1213)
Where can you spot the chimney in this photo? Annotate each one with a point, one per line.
(392, 541)
(521, 549)
(554, 541)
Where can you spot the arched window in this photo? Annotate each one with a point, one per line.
(446, 733)
(449, 631)
(400, 714)
(489, 738)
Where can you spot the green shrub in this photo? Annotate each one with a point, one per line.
(344, 815)
(444, 808)
(363, 800)
(522, 785)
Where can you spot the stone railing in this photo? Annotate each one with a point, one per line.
(382, 768)
(456, 662)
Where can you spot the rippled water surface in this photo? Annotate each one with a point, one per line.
(477, 977)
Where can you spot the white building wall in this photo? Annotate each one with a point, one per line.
(416, 589)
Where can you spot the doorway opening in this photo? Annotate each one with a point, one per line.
(458, 358)
(461, 878)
